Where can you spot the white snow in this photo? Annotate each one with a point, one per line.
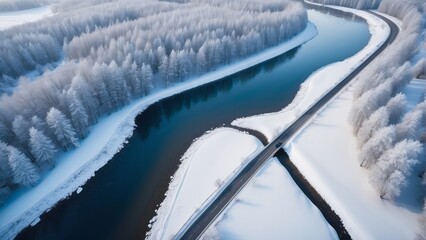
(395, 20)
(79, 190)
(75, 167)
(326, 154)
(10, 19)
(206, 166)
(319, 83)
(271, 206)
(325, 151)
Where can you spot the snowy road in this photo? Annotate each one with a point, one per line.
(199, 225)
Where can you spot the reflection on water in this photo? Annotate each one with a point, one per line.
(152, 116)
(333, 12)
(119, 202)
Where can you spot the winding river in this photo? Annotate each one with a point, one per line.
(121, 199)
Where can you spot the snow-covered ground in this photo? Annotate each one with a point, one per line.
(10, 19)
(326, 154)
(74, 168)
(271, 124)
(271, 206)
(208, 164)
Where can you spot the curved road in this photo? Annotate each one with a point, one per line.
(212, 212)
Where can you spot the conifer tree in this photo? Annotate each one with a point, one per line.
(41, 147)
(62, 128)
(393, 167)
(24, 172)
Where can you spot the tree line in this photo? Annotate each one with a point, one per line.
(378, 115)
(112, 56)
(25, 48)
(392, 139)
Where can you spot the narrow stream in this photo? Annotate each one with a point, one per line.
(121, 199)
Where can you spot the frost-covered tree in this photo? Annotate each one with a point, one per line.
(24, 172)
(402, 8)
(116, 86)
(20, 127)
(422, 107)
(100, 91)
(42, 147)
(38, 123)
(5, 170)
(369, 102)
(379, 119)
(393, 167)
(374, 148)
(84, 93)
(62, 128)
(135, 82)
(146, 78)
(164, 71)
(79, 116)
(421, 235)
(410, 126)
(396, 107)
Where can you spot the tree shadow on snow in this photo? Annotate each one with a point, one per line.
(412, 195)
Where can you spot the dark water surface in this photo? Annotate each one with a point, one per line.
(120, 200)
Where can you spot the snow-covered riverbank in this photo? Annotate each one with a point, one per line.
(74, 168)
(10, 19)
(206, 166)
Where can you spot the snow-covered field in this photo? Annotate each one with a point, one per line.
(271, 124)
(208, 164)
(271, 206)
(74, 168)
(10, 19)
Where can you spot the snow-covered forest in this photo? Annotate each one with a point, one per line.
(110, 53)
(391, 137)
